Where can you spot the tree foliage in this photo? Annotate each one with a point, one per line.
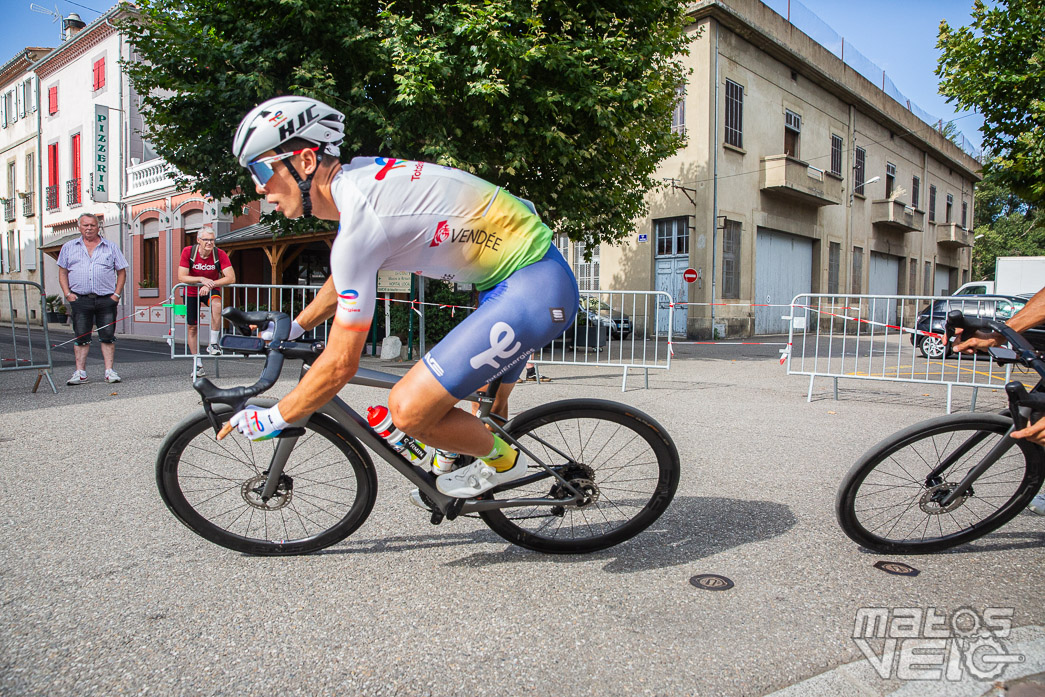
(997, 67)
(1005, 225)
(564, 102)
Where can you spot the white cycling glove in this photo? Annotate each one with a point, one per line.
(269, 329)
(259, 423)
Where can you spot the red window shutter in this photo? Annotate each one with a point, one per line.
(52, 100)
(99, 73)
(76, 156)
(52, 164)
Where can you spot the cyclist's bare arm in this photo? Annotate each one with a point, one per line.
(320, 309)
(331, 371)
(1032, 314)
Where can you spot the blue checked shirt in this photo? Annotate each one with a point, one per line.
(91, 273)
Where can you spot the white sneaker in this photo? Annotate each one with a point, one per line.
(1037, 504)
(79, 377)
(478, 477)
(214, 350)
(110, 376)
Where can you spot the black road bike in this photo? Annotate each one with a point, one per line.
(952, 479)
(600, 472)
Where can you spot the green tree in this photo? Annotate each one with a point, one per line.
(1005, 225)
(997, 67)
(564, 102)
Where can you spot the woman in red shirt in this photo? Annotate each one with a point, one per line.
(208, 267)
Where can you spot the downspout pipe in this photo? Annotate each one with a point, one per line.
(714, 194)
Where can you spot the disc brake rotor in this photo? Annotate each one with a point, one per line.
(252, 488)
(930, 500)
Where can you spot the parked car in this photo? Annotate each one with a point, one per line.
(593, 311)
(1000, 307)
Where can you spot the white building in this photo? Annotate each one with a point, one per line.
(86, 105)
(19, 180)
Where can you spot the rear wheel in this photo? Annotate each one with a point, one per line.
(890, 501)
(621, 459)
(327, 489)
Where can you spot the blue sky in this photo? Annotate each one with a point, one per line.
(897, 35)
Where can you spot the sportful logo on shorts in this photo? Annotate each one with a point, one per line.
(501, 337)
(442, 232)
(387, 166)
(433, 364)
(558, 314)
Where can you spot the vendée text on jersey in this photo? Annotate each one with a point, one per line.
(481, 238)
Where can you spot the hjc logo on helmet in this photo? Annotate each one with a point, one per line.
(304, 118)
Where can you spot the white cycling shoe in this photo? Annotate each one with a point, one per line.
(478, 478)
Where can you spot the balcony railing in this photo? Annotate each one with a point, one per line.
(9, 209)
(28, 207)
(790, 177)
(149, 176)
(51, 193)
(72, 193)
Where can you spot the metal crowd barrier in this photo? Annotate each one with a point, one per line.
(893, 338)
(629, 329)
(20, 330)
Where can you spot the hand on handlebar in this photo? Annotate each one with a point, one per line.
(979, 341)
(258, 423)
(1035, 432)
(296, 330)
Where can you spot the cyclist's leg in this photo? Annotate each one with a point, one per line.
(525, 311)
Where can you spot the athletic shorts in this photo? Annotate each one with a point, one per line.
(522, 313)
(192, 307)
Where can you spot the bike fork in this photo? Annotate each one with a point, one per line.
(1002, 447)
(284, 446)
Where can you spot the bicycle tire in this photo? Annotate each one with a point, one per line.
(899, 466)
(212, 487)
(625, 436)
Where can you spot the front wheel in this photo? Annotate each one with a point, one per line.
(623, 461)
(215, 488)
(890, 501)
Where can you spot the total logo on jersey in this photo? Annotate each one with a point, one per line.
(346, 299)
(387, 166)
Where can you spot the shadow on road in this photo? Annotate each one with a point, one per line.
(693, 528)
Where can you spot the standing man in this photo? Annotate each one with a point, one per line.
(92, 271)
(207, 268)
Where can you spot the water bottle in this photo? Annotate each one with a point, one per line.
(415, 451)
(444, 461)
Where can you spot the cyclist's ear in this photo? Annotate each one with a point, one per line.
(309, 162)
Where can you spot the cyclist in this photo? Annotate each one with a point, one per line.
(1031, 315)
(436, 221)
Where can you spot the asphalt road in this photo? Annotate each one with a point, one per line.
(103, 592)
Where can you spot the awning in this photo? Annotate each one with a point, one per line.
(52, 249)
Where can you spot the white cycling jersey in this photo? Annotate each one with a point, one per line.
(429, 219)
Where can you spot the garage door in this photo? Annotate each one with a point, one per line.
(942, 280)
(783, 269)
(883, 278)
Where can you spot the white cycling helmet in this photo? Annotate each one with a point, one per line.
(271, 124)
(276, 121)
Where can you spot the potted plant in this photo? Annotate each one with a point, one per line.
(56, 310)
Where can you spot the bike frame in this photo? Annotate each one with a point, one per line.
(448, 506)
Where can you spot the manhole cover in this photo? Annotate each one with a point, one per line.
(711, 582)
(896, 568)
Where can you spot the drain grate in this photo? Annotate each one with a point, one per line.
(896, 568)
(711, 582)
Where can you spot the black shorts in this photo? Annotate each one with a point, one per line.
(192, 307)
(90, 311)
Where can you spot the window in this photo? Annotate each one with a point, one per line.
(890, 179)
(562, 243)
(912, 280)
(672, 235)
(734, 114)
(72, 191)
(948, 209)
(52, 100)
(858, 270)
(833, 256)
(29, 87)
(14, 250)
(836, 155)
(731, 259)
(678, 116)
(932, 203)
(99, 73)
(965, 213)
(5, 108)
(150, 262)
(28, 201)
(927, 279)
(858, 171)
(52, 177)
(792, 131)
(916, 184)
(587, 272)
